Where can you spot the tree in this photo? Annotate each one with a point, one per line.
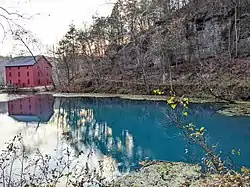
(67, 52)
(9, 20)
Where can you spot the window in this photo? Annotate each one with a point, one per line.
(29, 107)
(38, 73)
(18, 74)
(21, 106)
(9, 74)
(28, 81)
(47, 74)
(28, 73)
(18, 67)
(38, 81)
(27, 67)
(10, 82)
(19, 81)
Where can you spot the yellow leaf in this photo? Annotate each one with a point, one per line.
(233, 151)
(171, 100)
(185, 114)
(191, 128)
(239, 152)
(158, 92)
(185, 105)
(202, 129)
(186, 100)
(173, 106)
(245, 170)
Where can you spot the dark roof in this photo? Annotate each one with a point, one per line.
(23, 61)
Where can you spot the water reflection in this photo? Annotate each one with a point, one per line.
(131, 131)
(128, 131)
(81, 126)
(56, 129)
(33, 109)
(120, 132)
(3, 108)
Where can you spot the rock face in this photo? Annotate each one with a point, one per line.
(161, 174)
(199, 31)
(209, 30)
(213, 30)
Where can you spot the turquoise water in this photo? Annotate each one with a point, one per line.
(133, 131)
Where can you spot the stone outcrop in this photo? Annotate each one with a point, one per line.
(196, 32)
(211, 31)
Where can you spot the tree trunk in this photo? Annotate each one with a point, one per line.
(236, 33)
(229, 40)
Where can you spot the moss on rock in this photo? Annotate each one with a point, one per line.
(178, 174)
(161, 174)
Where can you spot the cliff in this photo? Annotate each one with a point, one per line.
(206, 30)
(201, 48)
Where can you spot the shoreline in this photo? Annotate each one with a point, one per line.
(130, 97)
(240, 108)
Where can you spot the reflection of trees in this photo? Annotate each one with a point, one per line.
(80, 126)
(129, 131)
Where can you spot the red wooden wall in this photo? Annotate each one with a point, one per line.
(40, 74)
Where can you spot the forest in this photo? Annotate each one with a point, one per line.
(196, 47)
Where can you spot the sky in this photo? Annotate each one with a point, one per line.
(50, 19)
